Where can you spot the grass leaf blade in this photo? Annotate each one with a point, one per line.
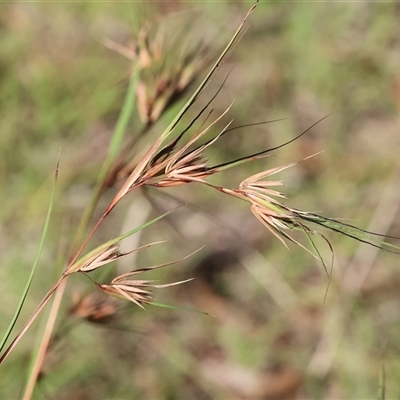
(35, 263)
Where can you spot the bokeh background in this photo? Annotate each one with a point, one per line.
(272, 335)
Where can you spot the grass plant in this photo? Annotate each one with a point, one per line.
(170, 162)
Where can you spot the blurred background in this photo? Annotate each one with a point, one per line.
(64, 71)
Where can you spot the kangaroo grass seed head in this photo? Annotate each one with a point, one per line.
(278, 218)
(137, 291)
(172, 166)
(94, 309)
(178, 167)
(168, 65)
(281, 220)
(134, 290)
(102, 255)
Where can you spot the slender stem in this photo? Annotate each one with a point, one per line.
(98, 223)
(31, 319)
(41, 353)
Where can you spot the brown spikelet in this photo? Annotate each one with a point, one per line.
(167, 70)
(168, 66)
(135, 290)
(94, 309)
(100, 256)
(183, 166)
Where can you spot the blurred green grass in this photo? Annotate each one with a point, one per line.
(272, 336)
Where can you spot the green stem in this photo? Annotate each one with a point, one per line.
(115, 145)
